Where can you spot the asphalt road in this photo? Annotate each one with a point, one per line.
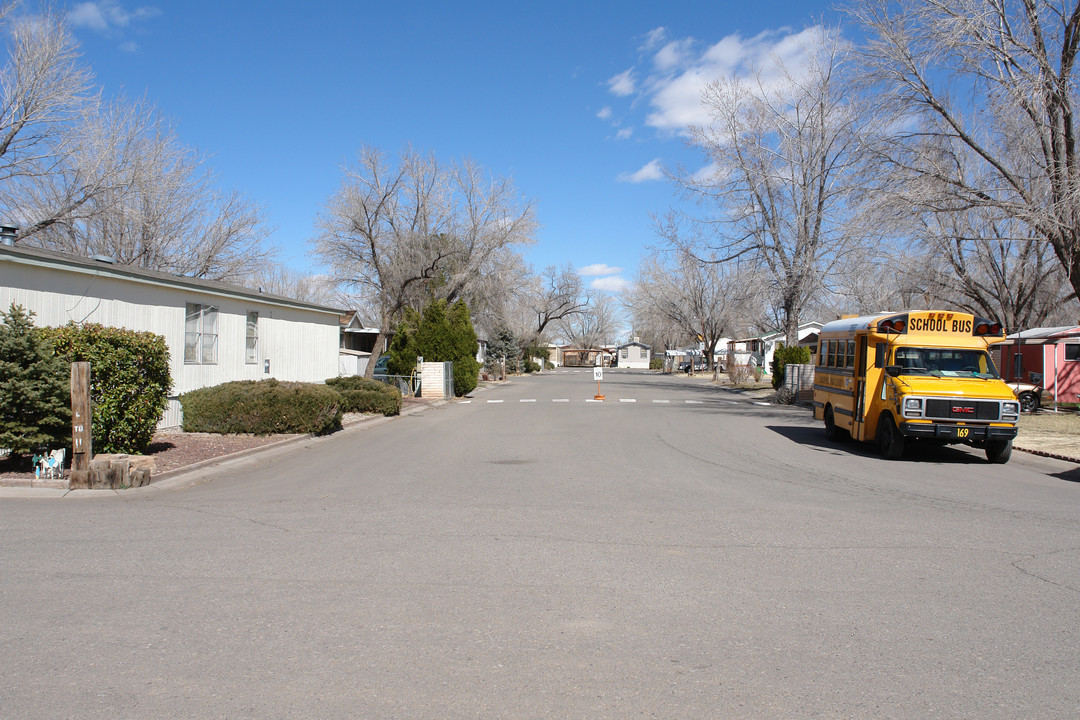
(675, 551)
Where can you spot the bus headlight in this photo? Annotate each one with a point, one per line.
(913, 407)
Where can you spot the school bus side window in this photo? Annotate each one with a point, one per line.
(832, 353)
(850, 354)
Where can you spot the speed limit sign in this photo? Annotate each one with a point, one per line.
(598, 374)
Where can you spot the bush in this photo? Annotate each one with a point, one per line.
(35, 389)
(784, 356)
(656, 363)
(359, 394)
(129, 381)
(531, 366)
(267, 407)
(441, 333)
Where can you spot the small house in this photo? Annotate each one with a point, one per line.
(634, 354)
(1052, 353)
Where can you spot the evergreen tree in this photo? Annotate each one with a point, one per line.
(35, 388)
(439, 334)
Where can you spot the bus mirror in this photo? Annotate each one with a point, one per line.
(892, 370)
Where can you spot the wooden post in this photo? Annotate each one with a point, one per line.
(82, 450)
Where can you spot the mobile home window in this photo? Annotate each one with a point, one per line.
(625, 353)
(200, 334)
(1072, 351)
(251, 339)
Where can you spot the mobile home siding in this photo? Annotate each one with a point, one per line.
(301, 343)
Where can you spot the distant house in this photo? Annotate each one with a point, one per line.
(634, 354)
(357, 344)
(1052, 353)
(215, 331)
(759, 350)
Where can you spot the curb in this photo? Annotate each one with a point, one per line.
(1054, 456)
(195, 474)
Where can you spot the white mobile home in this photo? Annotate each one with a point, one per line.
(216, 332)
(635, 354)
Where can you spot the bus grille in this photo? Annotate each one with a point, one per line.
(963, 409)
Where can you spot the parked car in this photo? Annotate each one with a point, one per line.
(699, 365)
(381, 373)
(1029, 394)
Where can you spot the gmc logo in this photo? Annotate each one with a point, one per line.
(958, 409)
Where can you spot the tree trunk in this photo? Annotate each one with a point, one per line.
(376, 351)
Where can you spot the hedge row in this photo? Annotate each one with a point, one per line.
(267, 407)
(271, 407)
(360, 394)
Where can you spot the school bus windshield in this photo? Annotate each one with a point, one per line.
(945, 362)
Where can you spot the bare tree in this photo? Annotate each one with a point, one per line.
(418, 231)
(992, 270)
(163, 212)
(554, 295)
(993, 82)
(280, 279)
(786, 171)
(47, 100)
(699, 297)
(593, 326)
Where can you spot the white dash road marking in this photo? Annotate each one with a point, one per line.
(594, 400)
(566, 400)
(527, 400)
(464, 402)
(661, 401)
(494, 402)
(627, 400)
(695, 402)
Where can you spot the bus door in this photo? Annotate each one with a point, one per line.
(859, 406)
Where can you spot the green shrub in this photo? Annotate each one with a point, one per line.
(656, 363)
(35, 389)
(129, 381)
(784, 356)
(267, 407)
(441, 333)
(360, 394)
(531, 366)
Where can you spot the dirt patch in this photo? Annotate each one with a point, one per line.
(1056, 434)
(171, 450)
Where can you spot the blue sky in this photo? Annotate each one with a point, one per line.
(578, 102)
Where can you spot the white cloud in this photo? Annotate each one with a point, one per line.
(682, 69)
(624, 134)
(623, 84)
(651, 171)
(604, 114)
(108, 16)
(598, 269)
(613, 283)
(674, 54)
(654, 38)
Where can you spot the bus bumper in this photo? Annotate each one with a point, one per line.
(950, 432)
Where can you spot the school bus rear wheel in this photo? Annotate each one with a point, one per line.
(832, 432)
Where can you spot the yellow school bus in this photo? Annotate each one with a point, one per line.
(917, 375)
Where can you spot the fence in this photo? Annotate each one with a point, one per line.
(799, 382)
